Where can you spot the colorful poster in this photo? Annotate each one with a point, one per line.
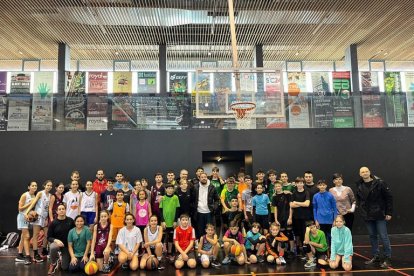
(122, 82)
(75, 101)
(124, 112)
(273, 82)
(19, 113)
(222, 82)
(3, 113)
(3, 83)
(98, 82)
(20, 83)
(395, 100)
(97, 112)
(373, 109)
(42, 112)
(147, 82)
(201, 82)
(43, 83)
(248, 82)
(342, 101)
(178, 82)
(409, 82)
(297, 100)
(320, 83)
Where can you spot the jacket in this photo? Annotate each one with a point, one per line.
(378, 203)
(212, 197)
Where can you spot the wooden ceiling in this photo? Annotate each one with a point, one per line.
(195, 30)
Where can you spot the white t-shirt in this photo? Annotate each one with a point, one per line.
(129, 238)
(72, 204)
(202, 206)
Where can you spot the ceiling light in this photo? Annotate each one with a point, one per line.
(57, 120)
(20, 52)
(219, 159)
(116, 53)
(297, 53)
(385, 53)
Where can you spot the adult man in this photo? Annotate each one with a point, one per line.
(74, 176)
(157, 192)
(100, 184)
(375, 201)
(206, 201)
(171, 179)
(198, 172)
(119, 176)
(310, 187)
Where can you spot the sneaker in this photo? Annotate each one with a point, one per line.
(161, 266)
(27, 260)
(37, 258)
(310, 264)
(19, 258)
(106, 268)
(260, 259)
(282, 260)
(125, 266)
(305, 258)
(375, 259)
(215, 264)
(386, 263)
(226, 260)
(45, 252)
(53, 267)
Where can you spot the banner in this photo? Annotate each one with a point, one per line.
(297, 100)
(42, 112)
(395, 100)
(178, 82)
(19, 112)
(320, 83)
(20, 83)
(273, 83)
(409, 82)
(147, 82)
(122, 82)
(373, 109)
(98, 82)
(342, 102)
(75, 101)
(3, 83)
(3, 113)
(97, 112)
(124, 112)
(43, 83)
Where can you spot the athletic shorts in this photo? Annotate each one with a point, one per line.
(250, 252)
(321, 255)
(205, 257)
(190, 255)
(99, 249)
(41, 221)
(22, 223)
(263, 220)
(89, 217)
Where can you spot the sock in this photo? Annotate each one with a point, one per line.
(159, 258)
(35, 252)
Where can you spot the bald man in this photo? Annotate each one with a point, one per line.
(374, 200)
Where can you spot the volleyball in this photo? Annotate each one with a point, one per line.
(91, 268)
(152, 263)
(236, 250)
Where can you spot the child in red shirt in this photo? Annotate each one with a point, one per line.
(184, 237)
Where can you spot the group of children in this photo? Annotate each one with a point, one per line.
(258, 221)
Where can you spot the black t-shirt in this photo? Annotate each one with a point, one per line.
(59, 229)
(281, 202)
(108, 197)
(301, 212)
(365, 188)
(186, 200)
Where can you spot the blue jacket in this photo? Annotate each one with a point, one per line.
(324, 208)
(341, 243)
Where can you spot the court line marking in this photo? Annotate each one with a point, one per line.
(393, 245)
(391, 268)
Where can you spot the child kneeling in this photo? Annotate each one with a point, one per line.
(275, 243)
(184, 237)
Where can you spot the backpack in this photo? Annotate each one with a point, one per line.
(12, 240)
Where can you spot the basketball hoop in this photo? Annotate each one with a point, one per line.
(243, 112)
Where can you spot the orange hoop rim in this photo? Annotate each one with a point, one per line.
(242, 108)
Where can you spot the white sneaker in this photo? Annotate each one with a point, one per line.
(282, 260)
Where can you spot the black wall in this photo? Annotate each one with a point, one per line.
(39, 156)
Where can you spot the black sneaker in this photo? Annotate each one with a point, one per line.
(215, 263)
(37, 258)
(375, 259)
(386, 263)
(27, 260)
(260, 259)
(19, 258)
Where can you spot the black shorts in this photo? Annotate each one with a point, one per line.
(321, 255)
(263, 220)
(250, 252)
(191, 255)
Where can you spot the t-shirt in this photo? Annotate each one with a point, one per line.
(288, 187)
(247, 197)
(107, 198)
(261, 202)
(226, 195)
(127, 195)
(169, 205)
(251, 236)
(129, 237)
(320, 239)
(72, 204)
(217, 185)
(59, 229)
(186, 200)
(281, 202)
(324, 208)
(156, 193)
(99, 186)
(184, 236)
(79, 240)
(238, 237)
(301, 212)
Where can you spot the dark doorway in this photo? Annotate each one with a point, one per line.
(230, 163)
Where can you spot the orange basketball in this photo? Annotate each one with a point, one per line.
(236, 250)
(91, 268)
(152, 263)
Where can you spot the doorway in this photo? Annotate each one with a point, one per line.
(230, 163)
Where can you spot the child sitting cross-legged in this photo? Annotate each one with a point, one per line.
(255, 244)
(315, 245)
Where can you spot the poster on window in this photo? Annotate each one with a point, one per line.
(248, 82)
(342, 101)
(273, 82)
(75, 101)
(201, 82)
(409, 82)
(395, 100)
(3, 113)
(3, 83)
(18, 114)
(124, 112)
(42, 112)
(98, 82)
(373, 109)
(43, 83)
(122, 82)
(298, 107)
(97, 112)
(320, 83)
(147, 82)
(20, 83)
(178, 82)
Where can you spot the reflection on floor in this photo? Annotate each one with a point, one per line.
(402, 264)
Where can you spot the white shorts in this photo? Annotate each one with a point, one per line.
(22, 223)
(204, 257)
(41, 221)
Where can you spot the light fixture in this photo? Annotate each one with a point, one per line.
(219, 159)
(20, 52)
(57, 120)
(297, 53)
(116, 53)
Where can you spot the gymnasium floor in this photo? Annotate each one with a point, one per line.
(403, 264)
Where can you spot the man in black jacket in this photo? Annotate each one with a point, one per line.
(206, 202)
(374, 199)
